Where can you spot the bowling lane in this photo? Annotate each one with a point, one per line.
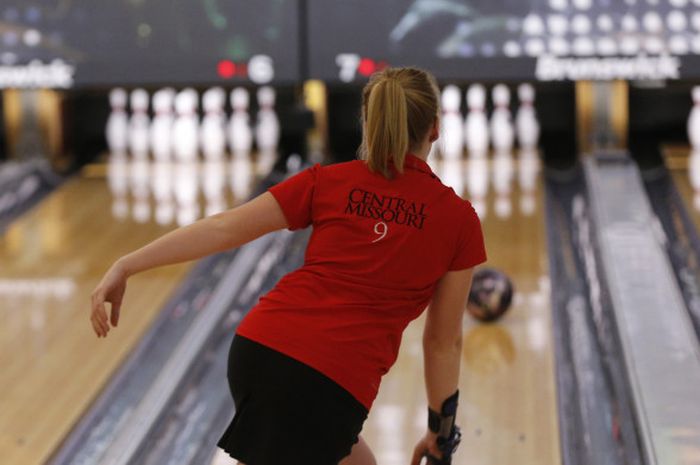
(508, 394)
(52, 258)
(684, 166)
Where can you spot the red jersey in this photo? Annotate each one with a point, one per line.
(377, 249)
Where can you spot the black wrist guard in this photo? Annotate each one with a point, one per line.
(443, 424)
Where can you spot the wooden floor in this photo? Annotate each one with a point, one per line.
(53, 365)
(507, 389)
(507, 410)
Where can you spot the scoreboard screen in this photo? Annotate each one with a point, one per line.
(506, 39)
(86, 42)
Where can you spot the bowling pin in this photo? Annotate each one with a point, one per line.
(503, 168)
(476, 125)
(694, 176)
(294, 163)
(118, 181)
(452, 174)
(186, 189)
(117, 130)
(694, 120)
(162, 126)
(140, 178)
(213, 184)
(240, 134)
(528, 168)
(526, 124)
(433, 157)
(501, 124)
(139, 124)
(212, 133)
(186, 126)
(451, 125)
(162, 188)
(267, 129)
(477, 180)
(241, 175)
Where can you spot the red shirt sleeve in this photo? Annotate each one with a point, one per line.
(294, 196)
(470, 248)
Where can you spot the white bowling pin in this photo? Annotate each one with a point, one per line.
(140, 178)
(117, 130)
(162, 188)
(502, 179)
(241, 178)
(213, 184)
(186, 126)
(432, 158)
(526, 124)
(501, 124)
(240, 134)
(267, 130)
(162, 126)
(186, 192)
(118, 181)
(528, 168)
(452, 174)
(294, 163)
(451, 126)
(212, 132)
(694, 120)
(476, 125)
(139, 124)
(477, 180)
(694, 176)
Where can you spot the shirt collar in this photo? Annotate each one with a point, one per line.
(416, 163)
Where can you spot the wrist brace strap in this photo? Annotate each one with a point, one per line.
(443, 424)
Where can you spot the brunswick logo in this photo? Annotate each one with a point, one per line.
(551, 68)
(56, 74)
(385, 208)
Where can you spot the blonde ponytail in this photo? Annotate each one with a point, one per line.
(399, 105)
(386, 127)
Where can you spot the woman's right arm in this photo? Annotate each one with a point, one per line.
(216, 233)
(442, 344)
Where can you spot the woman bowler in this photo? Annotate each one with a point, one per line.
(388, 239)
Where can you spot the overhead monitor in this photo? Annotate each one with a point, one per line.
(506, 39)
(92, 43)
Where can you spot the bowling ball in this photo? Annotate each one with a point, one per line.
(491, 294)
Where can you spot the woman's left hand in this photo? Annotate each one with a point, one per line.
(111, 289)
(427, 445)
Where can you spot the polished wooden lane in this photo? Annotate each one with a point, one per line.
(685, 171)
(507, 388)
(508, 411)
(53, 365)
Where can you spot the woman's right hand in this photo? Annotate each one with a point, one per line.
(110, 289)
(427, 445)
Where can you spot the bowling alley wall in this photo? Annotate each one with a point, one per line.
(81, 50)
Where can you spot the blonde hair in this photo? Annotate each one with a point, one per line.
(399, 106)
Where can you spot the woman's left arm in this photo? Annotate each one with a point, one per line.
(212, 234)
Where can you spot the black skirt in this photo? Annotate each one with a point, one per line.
(286, 412)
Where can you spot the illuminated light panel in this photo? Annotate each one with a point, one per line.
(605, 23)
(534, 47)
(677, 21)
(557, 24)
(511, 49)
(559, 46)
(581, 24)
